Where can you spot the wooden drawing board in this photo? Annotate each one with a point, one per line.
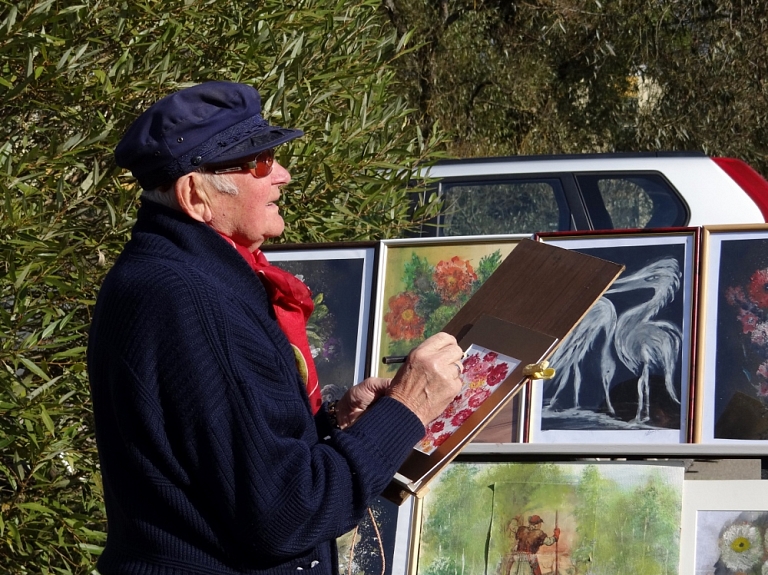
(532, 301)
(548, 291)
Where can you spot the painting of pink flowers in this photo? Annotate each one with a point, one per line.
(484, 370)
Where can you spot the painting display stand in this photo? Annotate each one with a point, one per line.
(531, 302)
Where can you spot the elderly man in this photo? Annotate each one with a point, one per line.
(216, 454)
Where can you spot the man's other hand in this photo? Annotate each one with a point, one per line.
(358, 398)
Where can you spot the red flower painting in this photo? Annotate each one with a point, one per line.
(402, 320)
(752, 303)
(430, 296)
(453, 278)
(758, 288)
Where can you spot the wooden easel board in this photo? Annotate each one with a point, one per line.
(531, 302)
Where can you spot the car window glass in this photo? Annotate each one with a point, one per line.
(503, 207)
(631, 201)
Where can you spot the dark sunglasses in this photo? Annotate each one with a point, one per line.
(260, 166)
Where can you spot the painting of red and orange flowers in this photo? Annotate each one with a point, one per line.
(733, 335)
(483, 371)
(423, 283)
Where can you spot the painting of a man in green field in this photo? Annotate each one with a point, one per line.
(523, 559)
(552, 518)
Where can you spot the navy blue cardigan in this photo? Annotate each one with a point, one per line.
(211, 459)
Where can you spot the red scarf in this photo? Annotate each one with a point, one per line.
(292, 302)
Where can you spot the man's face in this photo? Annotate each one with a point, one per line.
(252, 215)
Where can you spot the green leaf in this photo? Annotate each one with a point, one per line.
(37, 507)
(47, 421)
(31, 366)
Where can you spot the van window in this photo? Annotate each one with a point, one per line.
(503, 207)
(623, 201)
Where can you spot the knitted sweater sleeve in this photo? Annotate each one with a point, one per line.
(218, 422)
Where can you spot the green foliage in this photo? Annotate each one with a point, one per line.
(486, 267)
(72, 77)
(458, 520)
(566, 76)
(418, 273)
(589, 490)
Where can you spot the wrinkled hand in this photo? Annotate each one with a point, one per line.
(358, 398)
(556, 533)
(429, 379)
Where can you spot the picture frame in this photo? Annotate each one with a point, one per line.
(381, 542)
(423, 282)
(732, 399)
(394, 257)
(716, 513)
(626, 373)
(341, 277)
(480, 516)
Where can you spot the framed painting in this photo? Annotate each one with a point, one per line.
(550, 517)
(422, 284)
(341, 279)
(624, 375)
(380, 543)
(724, 527)
(732, 399)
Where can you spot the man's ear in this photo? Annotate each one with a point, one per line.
(193, 198)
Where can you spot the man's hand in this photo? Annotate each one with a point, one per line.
(358, 398)
(556, 533)
(430, 377)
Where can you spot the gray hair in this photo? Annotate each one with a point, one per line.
(165, 196)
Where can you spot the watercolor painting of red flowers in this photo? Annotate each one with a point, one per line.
(426, 283)
(483, 371)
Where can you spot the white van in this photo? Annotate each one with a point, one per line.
(526, 194)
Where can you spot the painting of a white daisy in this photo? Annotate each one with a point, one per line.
(724, 528)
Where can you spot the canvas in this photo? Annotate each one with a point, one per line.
(546, 517)
(340, 277)
(724, 528)
(732, 403)
(624, 374)
(423, 283)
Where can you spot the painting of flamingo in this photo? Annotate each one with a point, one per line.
(600, 320)
(644, 343)
(625, 367)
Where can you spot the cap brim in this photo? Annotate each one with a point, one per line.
(257, 142)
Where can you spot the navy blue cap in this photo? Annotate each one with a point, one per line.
(211, 123)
